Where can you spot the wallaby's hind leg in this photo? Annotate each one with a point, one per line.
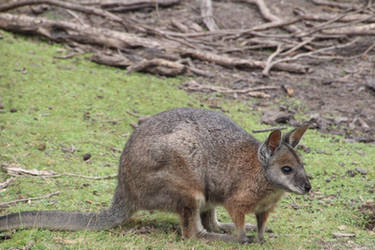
(209, 221)
(191, 225)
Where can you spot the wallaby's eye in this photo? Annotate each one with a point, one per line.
(286, 169)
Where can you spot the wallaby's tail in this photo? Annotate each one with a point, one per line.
(61, 220)
(117, 214)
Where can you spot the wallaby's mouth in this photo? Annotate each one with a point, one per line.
(300, 189)
(304, 189)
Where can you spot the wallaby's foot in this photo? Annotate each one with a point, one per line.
(226, 237)
(230, 227)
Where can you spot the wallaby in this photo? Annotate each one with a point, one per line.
(188, 161)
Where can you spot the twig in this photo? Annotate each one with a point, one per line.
(298, 46)
(366, 29)
(232, 62)
(10, 203)
(267, 130)
(121, 5)
(90, 177)
(266, 13)
(269, 65)
(335, 4)
(207, 15)
(311, 53)
(350, 17)
(323, 25)
(6, 183)
(253, 92)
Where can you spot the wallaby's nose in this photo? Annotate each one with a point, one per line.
(307, 187)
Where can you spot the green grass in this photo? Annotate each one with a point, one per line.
(65, 104)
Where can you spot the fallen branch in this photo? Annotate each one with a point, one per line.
(323, 17)
(267, 14)
(232, 62)
(207, 15)
(89, 177)
(10, 203)
(253, 92)
(310, 54)
(362, 30)
(268, 66)
(61, 31)
(63, 4)
(158, 66)
(14, 170)
(335, 4)
(128, 5)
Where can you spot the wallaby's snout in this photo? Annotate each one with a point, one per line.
(307, 186)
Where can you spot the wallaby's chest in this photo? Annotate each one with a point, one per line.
(268, 201)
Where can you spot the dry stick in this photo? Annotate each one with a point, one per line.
(366, 29)
(335, 4)
(322, 26)
(309, 54)
(90, 177)
(266, 13)
(121, 5)
(326, 16)
(232, 62)
(252, 91)
(207, 15)
(268, 66)
(371, 47)
(267, 130)
(6, 183)
(66, 5)
(298, 46)
(10, 203)
(237, 32)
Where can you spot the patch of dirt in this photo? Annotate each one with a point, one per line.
(368, 209)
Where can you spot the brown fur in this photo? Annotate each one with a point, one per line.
(188, 161)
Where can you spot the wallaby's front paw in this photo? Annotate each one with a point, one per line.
(247, 240)
(261, 241)
(269, 230)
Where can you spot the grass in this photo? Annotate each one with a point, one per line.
(73, 107)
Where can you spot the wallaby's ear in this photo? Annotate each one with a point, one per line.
(293, 137)
(274, 139)
(269, 146)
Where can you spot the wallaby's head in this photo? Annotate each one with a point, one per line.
(283, 166)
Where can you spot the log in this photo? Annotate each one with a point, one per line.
(62, 31)
(66, 5)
